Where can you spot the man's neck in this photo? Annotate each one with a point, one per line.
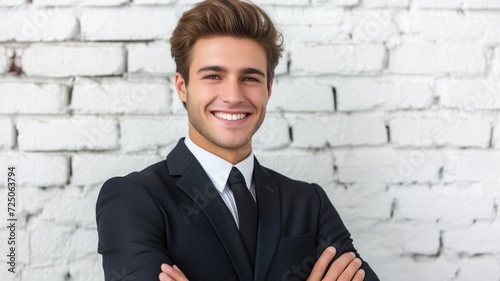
(233, 156)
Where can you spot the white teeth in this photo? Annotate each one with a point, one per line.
(230, 117)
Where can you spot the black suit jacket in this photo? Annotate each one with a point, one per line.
(171, 213)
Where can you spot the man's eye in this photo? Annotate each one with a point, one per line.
(212, 77)
(250, 79)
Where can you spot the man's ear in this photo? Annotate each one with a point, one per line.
(270, 91)
(180, 86)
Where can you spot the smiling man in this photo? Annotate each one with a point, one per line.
(210, 211)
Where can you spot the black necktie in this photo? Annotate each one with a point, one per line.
(247, 212)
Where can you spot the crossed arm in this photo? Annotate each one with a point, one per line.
(346, 268)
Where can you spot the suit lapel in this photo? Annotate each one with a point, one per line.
(268, 232)
(195, 183)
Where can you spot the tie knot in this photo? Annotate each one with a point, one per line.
(235, 177)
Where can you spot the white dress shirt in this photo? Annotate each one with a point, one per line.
(218, 171)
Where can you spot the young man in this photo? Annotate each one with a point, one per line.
(210, 211)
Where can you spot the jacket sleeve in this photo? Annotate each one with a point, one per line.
(332, 232)
(131, 231)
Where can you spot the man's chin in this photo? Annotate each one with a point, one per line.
(233, 144)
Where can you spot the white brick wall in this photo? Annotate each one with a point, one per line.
(428, 129)
(73, 60)
(338, 59)
(152, 58)
(12, 2)
(7, 138)
(306, 95)
(127, 23)
(391, 105)
(23, 97)
(35, 24)
(116, 96)
(70, 134)
(339, 130)
(429, 58)
(4, 60)
(356, 94)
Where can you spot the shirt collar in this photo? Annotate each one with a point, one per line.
(217, 168)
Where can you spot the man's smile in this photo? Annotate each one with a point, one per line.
(230, 116)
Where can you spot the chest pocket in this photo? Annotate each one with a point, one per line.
(296, 242)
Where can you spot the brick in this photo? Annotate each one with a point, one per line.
(51, 240)
(387, 165)
(359, 94)
(127, 23)
(496, 134)
(70, 210)
(79, 2)
(95, 169)
(22, 242)
(33, 98)
(408, 237)
(4, 60)
(339, 130)
(299, 35)
(330, 15)
(36, 170)
(149, 133)
(38, 198)
(373, 26)
(495, 64)
(377, 4)
(480, 268)
(472, 166)
(35, 24)
(282, 67)
(479, 238)
(411, 268)
(338, 59)
(73, 60)
(437, 129)
(469, 94)
(343, 3)
(153, 58)
(273, 134)
(116, 96)
(83, 242)
(443, 203)
(12, 2)
(283, 2)
(305, 167)
(7, 134)
(361, 202)
(442, 4)
(67, 134)
(481, 4)
(54, 272)
(148, 2)
(434, 58)
(300, 95)
(88, 268)
(450, 27)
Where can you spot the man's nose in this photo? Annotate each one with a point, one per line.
(232, 91)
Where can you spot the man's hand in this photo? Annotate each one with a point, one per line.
(170, 273)
(345, 268)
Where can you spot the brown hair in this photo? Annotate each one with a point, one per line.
(225, 18)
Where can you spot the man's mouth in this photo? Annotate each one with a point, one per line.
(231, 117)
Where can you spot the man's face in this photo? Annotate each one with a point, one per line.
(227, 93)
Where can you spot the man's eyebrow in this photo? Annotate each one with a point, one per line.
(216, 68)
(251, 70)
(212, 68)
